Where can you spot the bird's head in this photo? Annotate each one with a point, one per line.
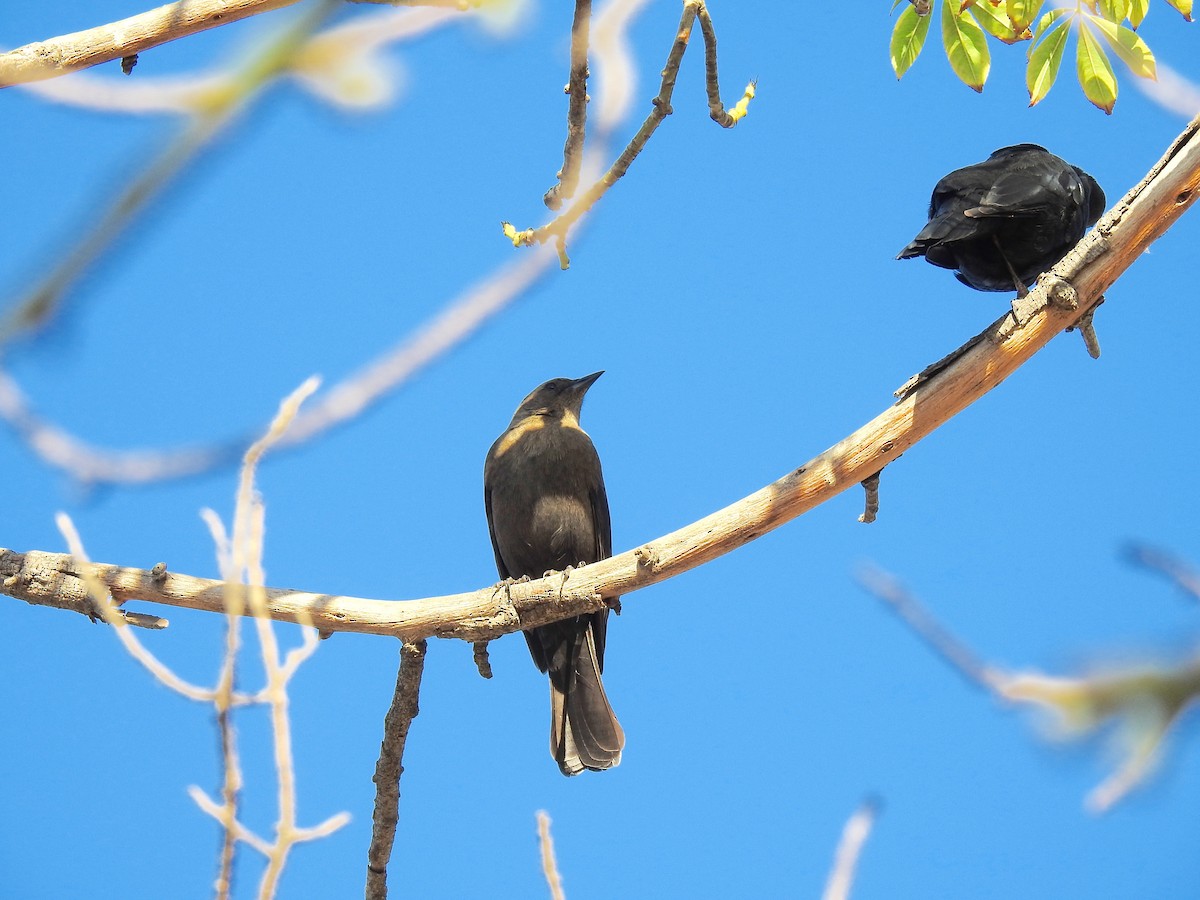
(559, 398)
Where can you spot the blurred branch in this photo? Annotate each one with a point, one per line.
(1186, 578)
(568, 176)
(549, 862)
(345, 401)
(556, 230)
(389, 768)
(263, 65)
(854, 838)
(954, 652)
(1144, 702)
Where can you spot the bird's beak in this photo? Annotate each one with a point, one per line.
(581, 385)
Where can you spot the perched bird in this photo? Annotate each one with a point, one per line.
(546, 509)
(1002, 222)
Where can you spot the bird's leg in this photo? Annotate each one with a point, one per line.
(1017, 283)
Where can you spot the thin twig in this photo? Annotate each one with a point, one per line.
(854, 838)
(557, 229)
(549, 862)
(568, 176)
(390, 766)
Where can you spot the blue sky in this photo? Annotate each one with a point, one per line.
(740, 291)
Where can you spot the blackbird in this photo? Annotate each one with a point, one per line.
(1002, 222)
(546, 510)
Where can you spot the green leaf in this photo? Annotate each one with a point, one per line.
(996, 23)
(1095, 71)
(897, 3)
(1044, 63)
(1137, 11)
(966, 46)
(1047, 20)
(908, 37)
(1127, 45)
(1184, 7)
(1114, 10)
(1022, 12)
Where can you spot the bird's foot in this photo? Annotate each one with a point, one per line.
(506, 583)
(614, 604)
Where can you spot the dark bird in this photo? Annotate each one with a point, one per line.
(1002, 222)
(546, 509)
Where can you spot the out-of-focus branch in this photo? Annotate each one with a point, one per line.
(1182, 575)
(1145, 702)
(568, 176)
(390, 766)
(958, 655)
(94, 465)
(557, 229)
(854, 838)
(262, 66)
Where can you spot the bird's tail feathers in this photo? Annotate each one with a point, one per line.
(584, 731)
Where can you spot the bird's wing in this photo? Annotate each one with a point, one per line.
(487, 506)
(602, 527)
(1029, 190)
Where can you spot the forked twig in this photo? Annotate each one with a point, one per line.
(557, 229)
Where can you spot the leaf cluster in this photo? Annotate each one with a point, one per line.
(1102, 27)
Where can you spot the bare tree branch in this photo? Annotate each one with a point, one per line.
(390, 766)
(1061, 296)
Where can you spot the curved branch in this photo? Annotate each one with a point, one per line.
(1061, 297)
